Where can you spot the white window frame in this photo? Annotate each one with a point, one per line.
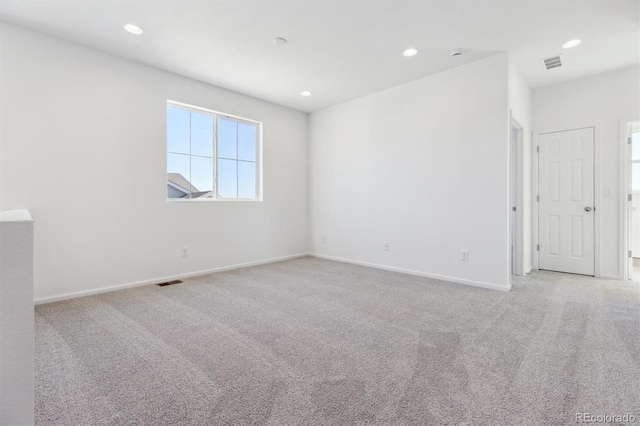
(216, 115)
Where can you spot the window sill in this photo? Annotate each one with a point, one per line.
(213, 200)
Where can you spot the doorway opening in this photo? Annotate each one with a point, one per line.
(633, 200)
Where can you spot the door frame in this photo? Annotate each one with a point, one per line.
(596, 192)
(625, 189)
(516, 183)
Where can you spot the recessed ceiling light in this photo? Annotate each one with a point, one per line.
(279, 41)
(410, 52)
(571, 43)
(133, 29)
(305, 93)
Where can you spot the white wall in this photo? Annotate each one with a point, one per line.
(94, 125)
(423, 166)
(16, 318)
(520, 106)
(600, 101)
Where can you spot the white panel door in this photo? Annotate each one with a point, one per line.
(566, 206)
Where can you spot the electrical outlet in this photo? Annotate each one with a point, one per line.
(185, 251)
(465, 255)
(386, 246)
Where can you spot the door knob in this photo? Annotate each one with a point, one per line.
(587, 209)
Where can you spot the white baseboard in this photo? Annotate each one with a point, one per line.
(490, 286)
(601, 276)
(83, 293)
(610, 277)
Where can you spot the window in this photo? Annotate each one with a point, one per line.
(211, 156)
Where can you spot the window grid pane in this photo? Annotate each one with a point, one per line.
(178, 130)
(246, 142)
(227, 139)
(201, 134)
(228, 178)
(201, 175)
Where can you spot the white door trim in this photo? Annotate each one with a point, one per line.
(516, 159)
(597, 166)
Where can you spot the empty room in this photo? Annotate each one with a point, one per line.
(318, 212)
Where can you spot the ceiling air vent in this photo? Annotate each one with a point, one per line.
(552, 62)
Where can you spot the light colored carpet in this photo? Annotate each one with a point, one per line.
(310, 341)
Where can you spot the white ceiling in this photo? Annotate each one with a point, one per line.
(341, 50)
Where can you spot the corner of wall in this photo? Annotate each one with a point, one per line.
(308, 242)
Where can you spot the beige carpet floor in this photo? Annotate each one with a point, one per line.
(315, 342)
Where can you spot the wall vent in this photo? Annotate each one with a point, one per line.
(170, 283)
(551, 62)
